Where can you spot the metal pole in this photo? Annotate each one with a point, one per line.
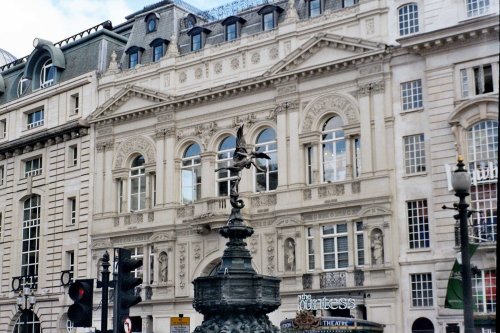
(463, 215)
(105, 284)
(25, 314)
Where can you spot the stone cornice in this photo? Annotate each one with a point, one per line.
(470, 31)
(44, 138)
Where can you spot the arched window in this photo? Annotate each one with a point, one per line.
(47, 74)
(266, 143)
(138, 184)
(408, 19)
(191, 174)
(31, 320)
(482, 144)
(225, 159)
(422, 325)
(31, 238)
(333, 150)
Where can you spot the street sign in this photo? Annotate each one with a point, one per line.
(179, 325)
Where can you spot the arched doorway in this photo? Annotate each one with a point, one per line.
(30, 319)
(422, 325)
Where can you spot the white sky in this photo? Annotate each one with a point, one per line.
(23, 20)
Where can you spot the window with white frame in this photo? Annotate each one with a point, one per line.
(414, 153)
(22, 86)
(334, 246)
(73, 155)
(137, 253)
(70, 261)
(138, 184)
(224, 160)
(72, 210)
(266, 143)
(309, 166)
(421, 290)
(411, 94)
(151, 264)
(35, 118)
(408, 19)
(310, 249)
(477, 7)
(418, 224)
(3, 128)
(314, 8)
(360, 245)
(482, 149)
(191, 174)
(31, 236)
(477, 80)
(30, 319)
(333, 149)
(47, 74)
(484, 291)
(33, 167)
(357, 157)
(75, 103)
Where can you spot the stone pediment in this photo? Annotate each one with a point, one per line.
(128, 100)
(324, 48)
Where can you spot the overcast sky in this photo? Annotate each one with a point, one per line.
(23, 20)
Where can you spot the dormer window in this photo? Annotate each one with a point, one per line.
(269, 14)
(22, 86)
(314, 8)
(190, 21)
(47, 74)
(152, 22)
(158, 46)
(232, 27)
(198, 37)
(134, 56)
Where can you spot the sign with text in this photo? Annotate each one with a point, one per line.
(179, 325)
(306, 302)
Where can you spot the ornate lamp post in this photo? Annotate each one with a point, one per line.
(25, 302)
(461, 183)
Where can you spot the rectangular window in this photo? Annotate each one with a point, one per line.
(309, 165)
(477, 7)
(314, 8)
(414, 154)
(310, 249)
(157, 52)
(421, 290)
(411, 93)
(72, 209)
(357, 157)
(2, 175)
(231, 32)
(73, 155)
(33, 167)
(483, 79)
(360, 246)
(484, 291)
(3, 128)
(70, 260)
(196, 42)
(335, 248)
(418, 224)
(120, 196)
(133, 59)
(268, 21)
(137, 253)
(75, 103)
(35, 118)
(464, 79)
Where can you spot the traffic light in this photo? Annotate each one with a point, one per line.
(81, 292)
(124, 287)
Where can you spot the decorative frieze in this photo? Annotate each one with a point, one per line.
(104, 145)
(306, 194)
(331, 214)
(135, 144)
(333, 280)
(264, 200)
(186, 211)
(372, 87)
(270, 254)
(182, 266)
(356, 187)
(331, 191)
(330, 103)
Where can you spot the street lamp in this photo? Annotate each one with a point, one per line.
(461, 183)
(25, 302)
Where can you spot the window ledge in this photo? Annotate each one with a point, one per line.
(405, 112)
(423, 250)
(416, 174)
(420, 308)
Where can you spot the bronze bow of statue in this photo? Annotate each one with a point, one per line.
(242, 159)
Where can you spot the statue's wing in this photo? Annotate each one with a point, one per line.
(261, 155)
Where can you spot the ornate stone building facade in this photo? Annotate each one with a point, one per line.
(359, 106)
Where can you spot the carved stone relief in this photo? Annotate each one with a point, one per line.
(255, 58)
(331, 191)
(182, 77)
(270, 253)
(331, 103)
(235, 64)
(264, 200)
(182, 266)
(218, 68)
(273, 53)
(137, 144)
(289, 253)
(377, 247)
(163, 264)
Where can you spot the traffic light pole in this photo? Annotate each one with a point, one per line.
(105, 285)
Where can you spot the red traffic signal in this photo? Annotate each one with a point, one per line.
(82, 294)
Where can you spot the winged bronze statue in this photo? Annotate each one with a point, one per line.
(242, 159)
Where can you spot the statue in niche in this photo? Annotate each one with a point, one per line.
(163, 260)
(290, 255)
(377, 247)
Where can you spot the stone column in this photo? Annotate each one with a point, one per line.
(108, 179)
(169, 183)
(349, 157)
(295, 158)
(99, 178)
(160, 170)
(281, 131)
(366, 132)
(208, 174)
